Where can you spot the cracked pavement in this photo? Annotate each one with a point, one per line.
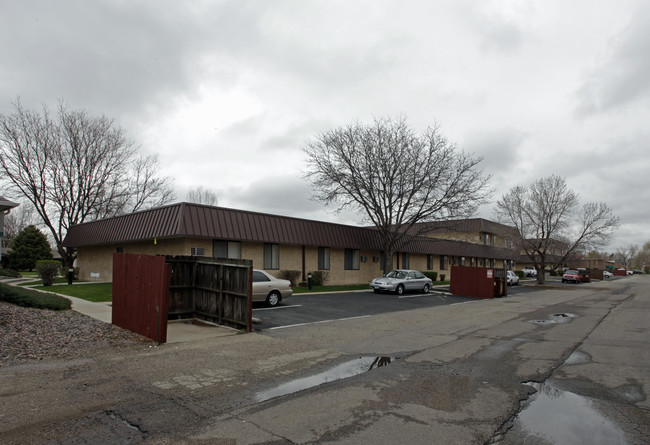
(457, 377)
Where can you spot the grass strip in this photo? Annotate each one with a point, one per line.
(95, 292)
(30, 298)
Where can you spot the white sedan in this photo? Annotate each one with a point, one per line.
(607, 274)
(512, 278)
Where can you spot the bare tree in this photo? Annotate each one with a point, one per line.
(626, 255)
(395, 177)
(547, 215)
(202, 195)
(75, 167)
(19, 218)
(642, 258)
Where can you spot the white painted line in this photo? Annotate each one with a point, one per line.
(413, 296)
(277, 307)
(317, 322)
(467, 302)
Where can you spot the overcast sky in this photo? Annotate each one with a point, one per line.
(227, 92)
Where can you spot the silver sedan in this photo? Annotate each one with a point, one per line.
(269, 289)
(401, 280)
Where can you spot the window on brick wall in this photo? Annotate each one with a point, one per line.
(352, 259)
(271, 256)
(323, 258)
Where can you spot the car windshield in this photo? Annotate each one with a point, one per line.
(396, 274)
(571, 272)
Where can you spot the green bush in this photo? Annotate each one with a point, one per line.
(9, 273)
(30, 298)
(29, 246)
(319, 277)
(520, 274)
(48, 270)
(431, 274)
(291, 275)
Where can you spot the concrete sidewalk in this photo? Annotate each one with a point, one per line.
(177, 330)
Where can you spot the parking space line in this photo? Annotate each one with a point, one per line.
(276, 307)
(413, 296)
(317, 322)
(436, 294)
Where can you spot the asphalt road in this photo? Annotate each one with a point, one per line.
(558, 365)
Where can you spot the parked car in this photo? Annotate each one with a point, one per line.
(607, 274)
(571, 275)
(402, 280)
(512, 278)
(630, 272)
(636, 271)
(585, 276)
(530, 271)
(269, 289)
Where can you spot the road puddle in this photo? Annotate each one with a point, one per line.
(562, 417)
(343, 371)
(556, 319)
(578, 358)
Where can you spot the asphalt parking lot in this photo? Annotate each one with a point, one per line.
(305, 309)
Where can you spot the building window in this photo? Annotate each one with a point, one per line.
(429, 262)
(351, 259)
(226, 249)
(323, 258)
(486, 238)
(406, 261)
(119, 250)
(462, 261)
(197, 251)
(444, 262)
(271, 256)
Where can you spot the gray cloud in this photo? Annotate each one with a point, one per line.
(622, 79)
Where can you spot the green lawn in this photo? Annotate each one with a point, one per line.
(95, 292)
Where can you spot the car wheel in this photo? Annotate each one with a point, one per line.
(425, 289)
(400, 289)
(273, 298)
(376, 291)
(563, 280)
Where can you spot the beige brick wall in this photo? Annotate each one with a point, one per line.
(96, 263)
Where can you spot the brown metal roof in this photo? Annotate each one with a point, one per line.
(470, 225)
(202, 221)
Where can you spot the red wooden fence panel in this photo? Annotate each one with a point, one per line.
(140, 294)
(475, 282)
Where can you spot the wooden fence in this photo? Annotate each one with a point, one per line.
(140, 291)
(217, 290)
(148, 290)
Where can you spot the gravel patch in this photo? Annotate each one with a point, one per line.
(28, 334)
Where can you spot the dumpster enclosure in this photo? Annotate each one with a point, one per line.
(148, 290)
(478, 282)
